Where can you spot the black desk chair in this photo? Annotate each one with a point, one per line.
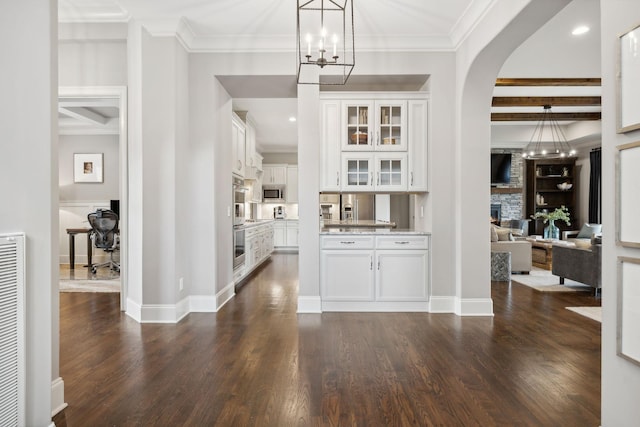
(104, 234)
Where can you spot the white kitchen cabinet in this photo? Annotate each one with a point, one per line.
(279, 233)
(397, 278)
(368, 171)
(274, 175)
(292, 233)
(238, 146)
(370, 125)
(258, 247)
(330, 145)
(401, 275)
(291, 194)
(358, 129)
(255, 193)
(418, 159)
(347, 275)
(391, 125)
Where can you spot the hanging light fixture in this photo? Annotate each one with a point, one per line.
(548, 140)
(326, 51)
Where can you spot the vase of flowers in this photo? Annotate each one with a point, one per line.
(552, 231)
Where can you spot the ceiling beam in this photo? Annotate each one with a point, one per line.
(549, 82)
(534, 117)
(84, 114)
(539, 101)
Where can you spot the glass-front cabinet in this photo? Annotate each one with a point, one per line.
(374, 171)
(359, 117)
(374, 126)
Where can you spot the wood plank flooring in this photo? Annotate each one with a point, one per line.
(258, 363)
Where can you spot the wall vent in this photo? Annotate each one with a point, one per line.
(12, 334)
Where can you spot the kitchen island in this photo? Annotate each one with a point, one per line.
(374, 269)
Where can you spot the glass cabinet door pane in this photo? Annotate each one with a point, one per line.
(357, 125)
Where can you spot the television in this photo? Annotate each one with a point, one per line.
(500, 168)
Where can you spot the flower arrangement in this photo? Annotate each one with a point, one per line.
(561, 213)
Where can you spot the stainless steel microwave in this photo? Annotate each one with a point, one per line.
(272, 194)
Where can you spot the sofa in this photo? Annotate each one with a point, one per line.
(583, 237)
(583, 265)
(503, 240)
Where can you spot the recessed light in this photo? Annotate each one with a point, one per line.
(580, 30)
(292, 119)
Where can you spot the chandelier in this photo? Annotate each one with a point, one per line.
(325, 51)
(548, 140)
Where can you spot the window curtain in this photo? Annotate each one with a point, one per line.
(595, 184)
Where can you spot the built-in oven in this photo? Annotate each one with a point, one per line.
(239, 247)
(238, 201)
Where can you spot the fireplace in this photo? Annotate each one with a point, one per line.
(496, 213)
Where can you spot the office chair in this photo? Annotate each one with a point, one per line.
(104, 234)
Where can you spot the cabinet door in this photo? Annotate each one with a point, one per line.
(279, 235)
(292, 234)
(391, 126)
(357, 171)
(330, 146)
(274, 174)
(346, 275)
(238, 149)
(401, 275)
(292, 184)
(418, 150)
(391, 172)
(357, 128)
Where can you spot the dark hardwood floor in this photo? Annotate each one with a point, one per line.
(258, 363)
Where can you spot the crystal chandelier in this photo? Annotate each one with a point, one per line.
(549, 144)
(325, 51)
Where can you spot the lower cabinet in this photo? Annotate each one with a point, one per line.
(374, 273)
(258, 247)
(286, 234)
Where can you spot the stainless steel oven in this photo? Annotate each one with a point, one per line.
(238, 246)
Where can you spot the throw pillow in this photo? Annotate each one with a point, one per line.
(589, 230)
(504, 234)
(494, 234)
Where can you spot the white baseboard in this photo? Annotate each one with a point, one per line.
(474, 307)
(57, 396)
(442, 304)
(134, 310)
(202, 304)
(225, 295)
(309, 304)
(376, 306)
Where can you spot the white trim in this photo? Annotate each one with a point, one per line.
(309, 304)
(474, 307)
(225, 295)
(442, 304)
(376, 306)
(164, 313)
(57, 396)
(134, 310)
(202, 304)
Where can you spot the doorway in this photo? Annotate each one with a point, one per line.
(93, 124)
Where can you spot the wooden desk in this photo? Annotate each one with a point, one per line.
(72, 245)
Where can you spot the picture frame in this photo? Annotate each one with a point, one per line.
(628, 82)
(628, 195)
(88, 168)
(628, 339)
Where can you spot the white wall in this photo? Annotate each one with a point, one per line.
(620, 378)
(68, 145)
(29, 181)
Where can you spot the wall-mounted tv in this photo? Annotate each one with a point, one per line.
(500, 168)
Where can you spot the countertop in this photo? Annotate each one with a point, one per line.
(362, 223)
(372, 231)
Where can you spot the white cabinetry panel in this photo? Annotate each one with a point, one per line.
(348, 275)
(401, 275)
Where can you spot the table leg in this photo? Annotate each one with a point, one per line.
(72, 251)
(89, 250)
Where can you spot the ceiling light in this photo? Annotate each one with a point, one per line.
(581, 29)
(292, 119)
(326, 50)
(551, 144)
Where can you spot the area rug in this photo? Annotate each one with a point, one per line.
(594, 313)
(90, 285)
(543, 281)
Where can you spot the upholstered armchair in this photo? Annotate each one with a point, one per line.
(583, 265)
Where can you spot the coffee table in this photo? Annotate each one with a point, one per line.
(542, 251)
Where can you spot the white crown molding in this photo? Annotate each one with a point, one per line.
(473, 14)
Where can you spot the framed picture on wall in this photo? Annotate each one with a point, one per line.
(628, 82)
(628, 195)
(87, 167)
(628, 339)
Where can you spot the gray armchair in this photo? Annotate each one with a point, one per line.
(583, 265)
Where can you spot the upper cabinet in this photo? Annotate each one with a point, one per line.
(274, 175)
(354, 125)
(252, 159)
(374, 125)
(238, 146)
(292, 184)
